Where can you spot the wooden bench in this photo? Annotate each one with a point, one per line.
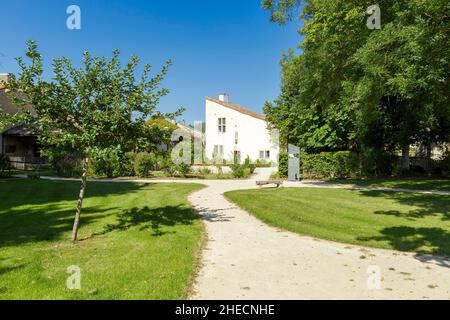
(264, 183)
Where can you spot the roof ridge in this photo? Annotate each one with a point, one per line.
(237, 108)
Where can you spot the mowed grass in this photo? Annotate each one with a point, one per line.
(391, 220)
(136, 241)
(410, 184)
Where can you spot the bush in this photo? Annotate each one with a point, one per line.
(34, 175)
(342, 164)
(127, 166)
(144, 164)
(237, 170)
(445, 163)
(205, 171)
(4, 164)
(373, 162)
(250, 167)
(167, 166)
(183, 169)
(263, 164)
(106, 163)
(240, 171)
(67, 166)
(283, 165)
(346, 164)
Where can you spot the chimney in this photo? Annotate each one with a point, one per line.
(4, 77)
(224, 97)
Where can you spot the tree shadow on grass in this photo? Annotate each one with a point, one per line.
(426, 204)
(154, 219)
(35, 211)
(436, 240)
(422, 238)
(18, 192)
(399, 183)
(47, 223)
(10, 269)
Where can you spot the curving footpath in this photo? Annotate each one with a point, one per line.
(247, 259)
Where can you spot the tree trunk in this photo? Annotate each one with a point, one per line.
(429, 151)
(405, 158)
(80, 199)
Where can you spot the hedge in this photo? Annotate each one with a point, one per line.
(340, 165)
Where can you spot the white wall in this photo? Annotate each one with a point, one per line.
(253, 134)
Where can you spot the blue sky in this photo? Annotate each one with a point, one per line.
(216, 46)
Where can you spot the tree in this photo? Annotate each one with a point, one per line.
(352, 87)
(100, 106)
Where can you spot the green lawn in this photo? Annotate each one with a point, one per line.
(390, 220)
(137, 241)
(410, 184)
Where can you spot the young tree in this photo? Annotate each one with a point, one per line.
(100, 106)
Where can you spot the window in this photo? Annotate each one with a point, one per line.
(264, 155)
(222, 125)
(10, 149)
(236, 138)
(218, 150)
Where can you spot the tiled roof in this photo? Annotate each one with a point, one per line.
(7, 106)
(237, 108)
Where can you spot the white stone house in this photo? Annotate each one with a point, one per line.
(233, 132)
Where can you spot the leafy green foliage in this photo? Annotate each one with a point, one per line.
(106, 163)
(341, 164)
(101, 105)
(67, 165)
(357, 89)
(98, 107)
(144, 164)
(283, 165)
(158, 131)
(238, 170)
(183, 169)
(4, 164)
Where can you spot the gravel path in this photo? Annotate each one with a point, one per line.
(247, 259)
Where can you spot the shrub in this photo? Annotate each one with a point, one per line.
(248, 166)
(237, 170)
(373, 162)
(106, 163)
(263, 164)
(183, 169)
(67, 166)
(4, 164)
(241, 170)
(283, 165)
(204, 171)
(144, 164)
(127, 167)
(34, 175)
(167, 166)
(342, 164)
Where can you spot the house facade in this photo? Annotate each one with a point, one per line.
(19, 143)
(233, 132)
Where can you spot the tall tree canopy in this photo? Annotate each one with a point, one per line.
(352, 87)
(100, 106)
